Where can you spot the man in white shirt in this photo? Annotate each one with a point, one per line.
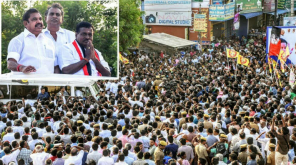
(106, 160)
(59, 36)
(34, 141)
(38, 156)
(9, 136)
(95, 155)
(80, 57)
(10, 156)
(76, 156)
(31, 51)
(49, 133)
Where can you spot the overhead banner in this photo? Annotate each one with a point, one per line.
(167, 5)
(221, 12)
(289, 21)
(200, 23)
(269, 6)
(236, 21)
(249, 6)
(168, 18)
(286, 38)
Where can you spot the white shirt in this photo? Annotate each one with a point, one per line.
(121, 163)
(79, 93)
(68, 55)
(76, 160)
(11, 157)
(27, 49)
(19, 129)
(33, 142)
(64, 36)
(105, 133)
(95, 155)
(50, 134)
(8, 137)
(105, 161)
(39, 158)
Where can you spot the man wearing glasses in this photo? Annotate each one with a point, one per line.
(54, 16)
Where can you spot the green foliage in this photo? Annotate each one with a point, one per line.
(103, 19)
(130, 24)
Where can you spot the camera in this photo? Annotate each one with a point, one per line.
(150, 18)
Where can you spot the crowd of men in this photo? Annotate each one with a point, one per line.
(188, 108)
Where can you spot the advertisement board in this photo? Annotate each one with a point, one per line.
(236, 22)
(269, 6)
(167, 5)
(221, 12)
(289, 21)
(168, 18)
(286, 38)
(200, 23)
(249, 6)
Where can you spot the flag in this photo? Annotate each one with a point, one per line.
(269, 64)
(123, 59)
(243, 61)
(232, 53)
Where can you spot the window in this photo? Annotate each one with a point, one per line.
(4, 90)
(96, 88)
(53, 90)
(24, 91)
(82, 91)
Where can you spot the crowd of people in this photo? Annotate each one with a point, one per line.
(188, 108)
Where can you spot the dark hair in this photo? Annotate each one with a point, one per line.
(27, 14)
(83, 24)
(55, 5)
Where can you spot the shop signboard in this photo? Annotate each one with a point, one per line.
(283, 4)
(167, 5)
(221, 12)
(200, 23)
(168, 18)
(249, 6)
(269, 6)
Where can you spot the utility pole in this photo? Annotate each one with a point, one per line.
(292, 8)
(275, 13)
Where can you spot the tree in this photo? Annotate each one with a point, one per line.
(130, 24)
(103, 19)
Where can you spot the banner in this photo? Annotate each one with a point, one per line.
(200, 23)
(292, 78)
(284, 40)
(243, 61)
(236, 21)
(167, 5)
(284, 4)
(217, 2)
(269, 6)
(168, 18)
(221, 12)
(232, 53)
(123, 59)
(289, 21)
(249, 6)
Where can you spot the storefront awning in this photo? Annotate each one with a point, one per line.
(221, 20)
(251, 15)
(280, 11)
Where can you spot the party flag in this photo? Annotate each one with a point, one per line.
(123, 59)
(243, 61)
(232, 53)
